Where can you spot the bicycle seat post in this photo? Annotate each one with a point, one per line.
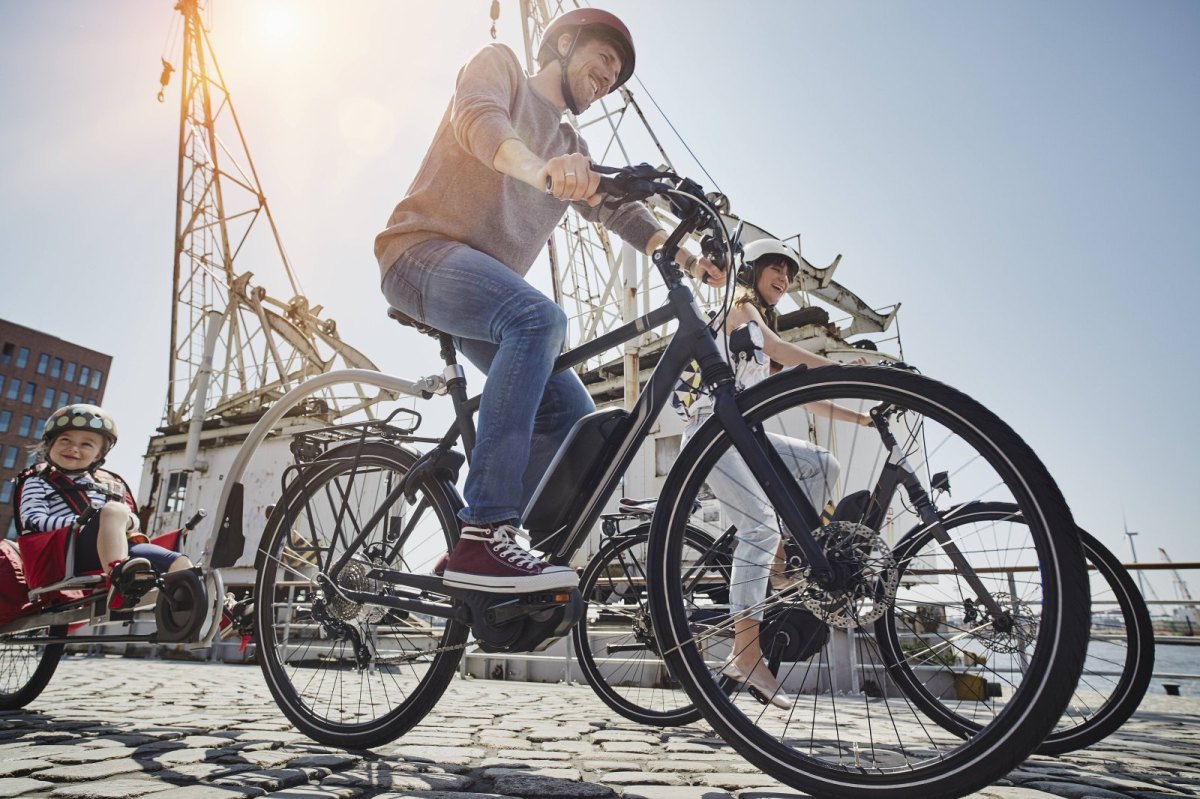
(456, 387)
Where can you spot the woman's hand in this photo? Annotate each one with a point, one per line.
(707, 272)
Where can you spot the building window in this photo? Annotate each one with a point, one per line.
(62, 399)
(70, 375)
(26, 425)
(666, 450)
(1, 384)
(83, 375)
(22, 357)
(14, 388)
(6, 354)
(56, 367)
(43, 363)
(78, 399)
(97, 375)
(30, 390)
(6, 489)
(10, 457)
(5, 420)
(91, 401)
(48, 398)
(176, 495)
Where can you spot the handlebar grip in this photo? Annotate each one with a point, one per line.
(607, 186)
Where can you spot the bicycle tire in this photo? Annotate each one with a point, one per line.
(1136, 669)
(1099, 705)
(614, 641)
(857, 739)
(26, 669)
(310, 646)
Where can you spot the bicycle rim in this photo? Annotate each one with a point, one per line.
(615, 642)
(1120, 652)
(850, 730)
(26, 669)
(348, 674)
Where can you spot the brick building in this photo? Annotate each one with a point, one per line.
(38, 374)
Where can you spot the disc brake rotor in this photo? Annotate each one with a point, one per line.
(1011, 633)
(869, 577)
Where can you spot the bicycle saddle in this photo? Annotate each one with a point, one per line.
(420, 327)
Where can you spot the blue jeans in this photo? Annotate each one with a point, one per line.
(512, 333)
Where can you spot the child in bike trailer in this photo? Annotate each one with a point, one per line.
(490, 191)
(53, 496)
(749, 336)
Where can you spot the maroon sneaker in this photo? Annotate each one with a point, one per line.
(489, 559)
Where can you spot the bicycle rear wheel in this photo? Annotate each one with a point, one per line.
(850, 731)
(26, 668)
(1116, 671)
(615, 642)
(348, 674)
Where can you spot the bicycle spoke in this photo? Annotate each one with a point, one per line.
(965, 611)
(345, 672)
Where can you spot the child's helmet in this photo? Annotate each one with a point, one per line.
(81, 416)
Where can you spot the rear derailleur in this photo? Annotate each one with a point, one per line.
(341, 630)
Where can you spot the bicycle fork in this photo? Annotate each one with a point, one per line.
(898, 471)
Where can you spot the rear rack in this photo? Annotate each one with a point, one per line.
(309, 445)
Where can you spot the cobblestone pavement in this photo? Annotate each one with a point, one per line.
(117, 727)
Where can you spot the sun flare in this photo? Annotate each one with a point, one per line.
(278, 22)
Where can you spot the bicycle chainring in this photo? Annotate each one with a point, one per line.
(521, 622)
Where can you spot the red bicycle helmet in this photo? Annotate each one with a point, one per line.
(613, 29)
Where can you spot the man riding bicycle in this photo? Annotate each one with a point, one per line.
(493, 185)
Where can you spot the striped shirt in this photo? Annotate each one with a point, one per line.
(44, 508)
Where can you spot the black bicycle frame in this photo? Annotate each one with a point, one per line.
(692, 341)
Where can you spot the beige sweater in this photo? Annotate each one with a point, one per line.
(458, 196)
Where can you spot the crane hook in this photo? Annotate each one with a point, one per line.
(164, 78)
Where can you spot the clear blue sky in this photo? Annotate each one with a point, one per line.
(1024, 177)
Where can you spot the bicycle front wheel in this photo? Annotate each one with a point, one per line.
(1120, 652)
(615, 642)
(348, 674)
(849, 730)
(26, 668)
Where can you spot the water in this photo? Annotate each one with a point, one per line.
(1175, 659)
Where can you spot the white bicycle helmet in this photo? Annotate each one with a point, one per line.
(761, 247)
